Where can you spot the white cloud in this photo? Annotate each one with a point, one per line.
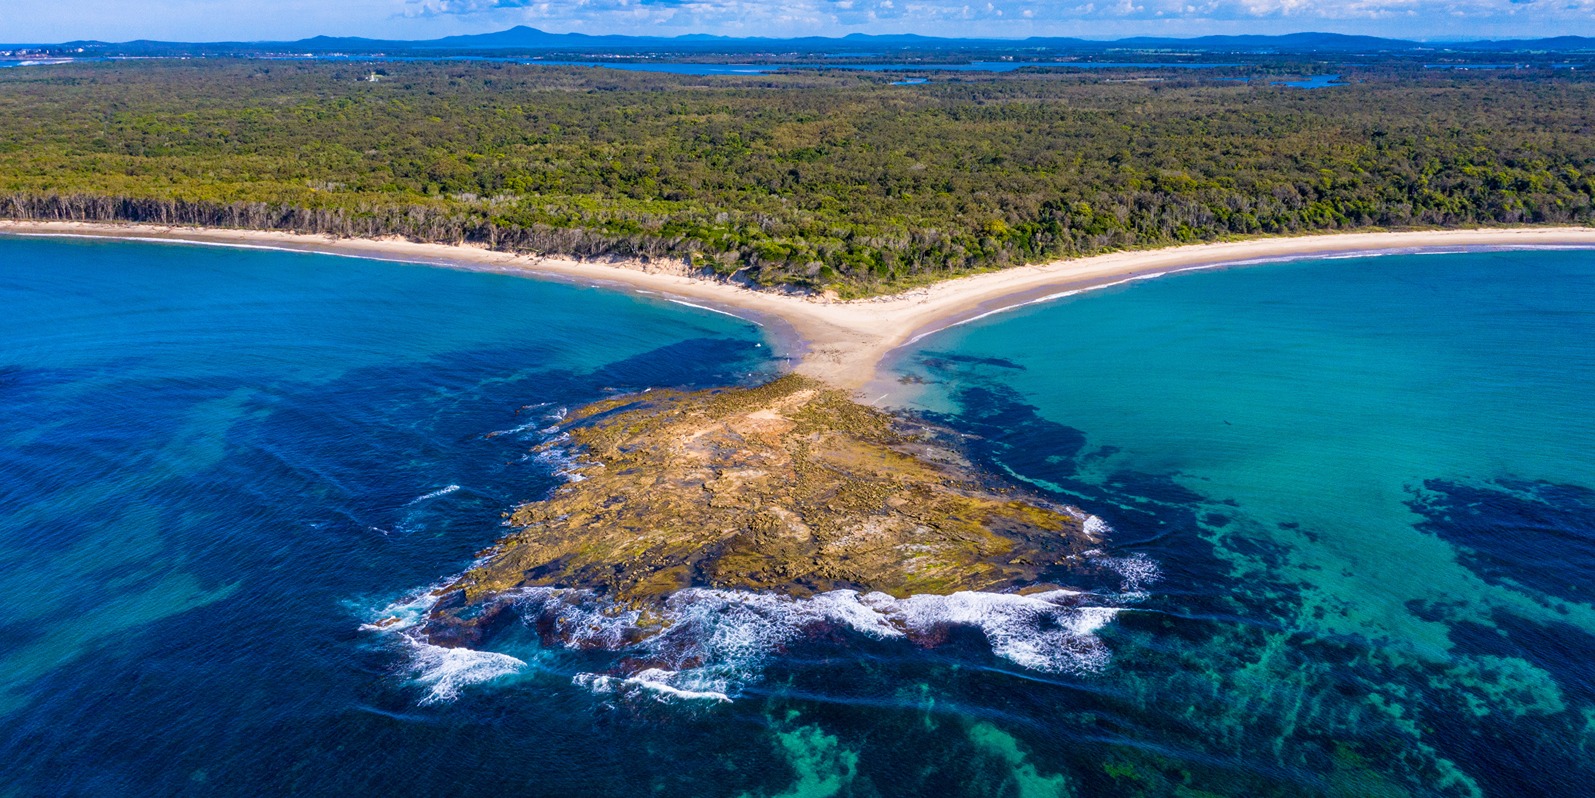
(1017, 18)
(61, 20)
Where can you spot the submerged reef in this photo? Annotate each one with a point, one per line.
(788, 488)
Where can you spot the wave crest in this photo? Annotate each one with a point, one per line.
(708, 643)
(445, 671)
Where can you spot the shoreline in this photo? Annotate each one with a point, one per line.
(844, 343)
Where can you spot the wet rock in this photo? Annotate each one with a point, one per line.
(788, 487)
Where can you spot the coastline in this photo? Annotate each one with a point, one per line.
(843, 343)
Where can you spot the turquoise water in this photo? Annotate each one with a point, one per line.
(1368, 482)
(1365, 484)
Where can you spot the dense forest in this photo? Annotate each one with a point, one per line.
(817, 179)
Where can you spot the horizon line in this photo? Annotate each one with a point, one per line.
(826, 37)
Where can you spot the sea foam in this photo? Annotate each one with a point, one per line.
(444, 491)
(707, 644)
(714, 642)
(444, 671)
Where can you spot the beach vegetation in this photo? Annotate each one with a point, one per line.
(819, 180)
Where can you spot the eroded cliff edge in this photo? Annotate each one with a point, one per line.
(788, 488)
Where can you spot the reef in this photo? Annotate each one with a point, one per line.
(788, 488)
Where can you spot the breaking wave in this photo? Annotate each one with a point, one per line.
(560, 459)
(706, 644)
(1095, 527)
(544, 424)
(715, 641)
(444, 671)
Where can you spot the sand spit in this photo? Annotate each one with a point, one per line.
(843, 343)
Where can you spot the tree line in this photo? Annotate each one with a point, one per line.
(817, 179)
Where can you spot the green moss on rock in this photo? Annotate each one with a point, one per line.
(787, 487)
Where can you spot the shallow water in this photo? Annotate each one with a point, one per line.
(1364, 484)
(1368, 482)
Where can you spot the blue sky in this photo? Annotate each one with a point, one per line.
(209, 20)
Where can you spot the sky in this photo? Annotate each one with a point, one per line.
(49, 21)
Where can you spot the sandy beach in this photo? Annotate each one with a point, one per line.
(844, 342)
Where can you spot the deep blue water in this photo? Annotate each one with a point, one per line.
(1366, 483)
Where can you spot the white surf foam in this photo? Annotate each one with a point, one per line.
(442, 671)
(406, 612)
(562, 461)
(564, 464)
(1137, 571)
(706, 644)
(225, 244)
(716, 641)
(1096, 527)
(529, 426)
(714, 310)
(434, 494)
(579, 619)
(445, 671)
(543, 424)
(1047, 632)
(653, 681)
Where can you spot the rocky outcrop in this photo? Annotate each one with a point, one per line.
(789, 487)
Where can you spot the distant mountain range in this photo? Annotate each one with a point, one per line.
(528, 39)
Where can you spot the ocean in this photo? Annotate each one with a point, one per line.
(1352, 509)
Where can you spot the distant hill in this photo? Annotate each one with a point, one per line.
(1290, 42)
(528, 39)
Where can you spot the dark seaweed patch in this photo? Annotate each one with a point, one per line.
(1536, 534)
(694, 362)
(1563, 650)
(940, 361)
(1161, 488)
(1012, 431)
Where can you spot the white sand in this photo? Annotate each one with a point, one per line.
(843, 343)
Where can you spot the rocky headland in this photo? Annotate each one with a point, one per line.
(789, 488)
